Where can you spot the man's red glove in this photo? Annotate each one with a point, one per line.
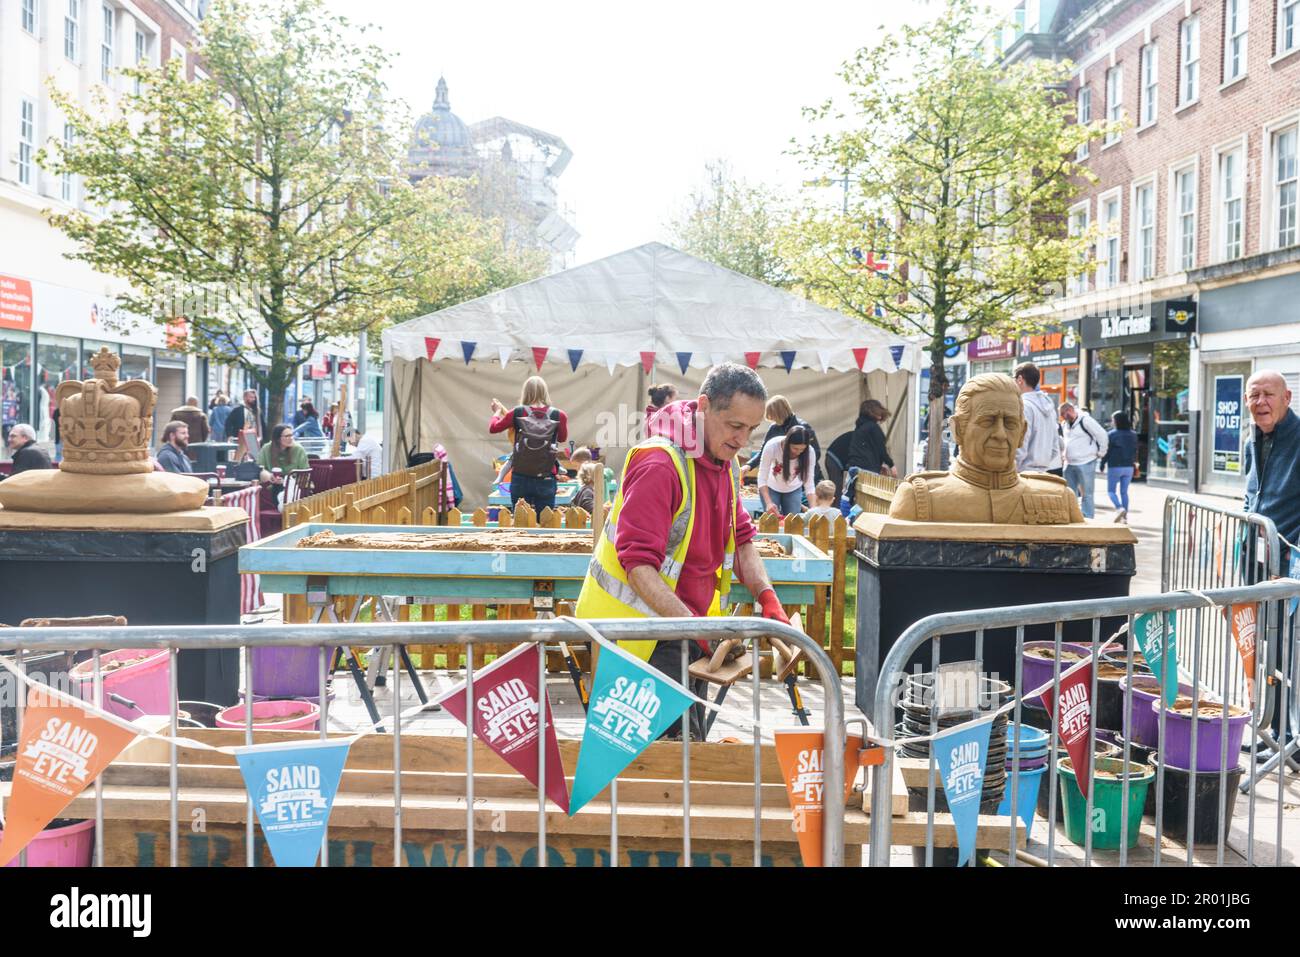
(772, 607)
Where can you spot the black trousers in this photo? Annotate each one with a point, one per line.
(667, 657)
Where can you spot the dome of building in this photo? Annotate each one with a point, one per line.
(441, 145)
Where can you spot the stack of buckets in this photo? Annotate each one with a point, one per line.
(1030, 744)
(286, 686)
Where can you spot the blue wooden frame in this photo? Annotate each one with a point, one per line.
(477, 577)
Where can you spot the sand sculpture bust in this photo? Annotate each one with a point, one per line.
(988, 423)
(106, 427)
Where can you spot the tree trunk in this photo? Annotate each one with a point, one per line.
(935, 418)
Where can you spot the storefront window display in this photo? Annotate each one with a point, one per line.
(15, 382)
(1106, 384)
(135, 363)
(1170, 457)
(57, 360)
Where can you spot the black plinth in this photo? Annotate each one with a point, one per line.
(901, 581)
(151, 577)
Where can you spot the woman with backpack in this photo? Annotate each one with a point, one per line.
(537, 428)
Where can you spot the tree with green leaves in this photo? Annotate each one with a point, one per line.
(268, 205)
(962, 172)
(735, 225)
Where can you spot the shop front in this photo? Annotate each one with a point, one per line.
(1056, 353)
(1139, 363)
(991, 354)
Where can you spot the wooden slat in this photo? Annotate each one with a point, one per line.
(839, 552)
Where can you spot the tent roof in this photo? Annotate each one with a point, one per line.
(648, 299)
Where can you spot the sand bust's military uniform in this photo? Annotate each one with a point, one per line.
(971, 494)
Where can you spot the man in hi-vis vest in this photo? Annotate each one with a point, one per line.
(677, 529)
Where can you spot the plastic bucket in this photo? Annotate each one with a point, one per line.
(1036, 672)
(282, 672)
(1107, 802)
(61, 844)
(1026, 796)
(1103, 749)
(279, 715)
(1205, 822)
(1144, 720)
(1209, 736)
(145, 682)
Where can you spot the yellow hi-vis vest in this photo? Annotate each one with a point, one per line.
(606, 592)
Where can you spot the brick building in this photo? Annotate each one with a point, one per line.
(1196, 269)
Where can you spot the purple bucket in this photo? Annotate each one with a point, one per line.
(282, 672)
(1209, 738)
(1144, 719)
(1037, 672)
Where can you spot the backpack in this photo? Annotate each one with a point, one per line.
(535, 434)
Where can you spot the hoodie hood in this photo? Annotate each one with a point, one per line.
(678, 422)
(1041, 449)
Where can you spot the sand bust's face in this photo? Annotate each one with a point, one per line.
(993, 431)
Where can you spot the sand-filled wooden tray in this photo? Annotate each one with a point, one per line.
(481, 540)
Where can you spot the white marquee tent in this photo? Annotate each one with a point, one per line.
(603, 332)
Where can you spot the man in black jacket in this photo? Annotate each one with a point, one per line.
(246, 416)
(26, 455)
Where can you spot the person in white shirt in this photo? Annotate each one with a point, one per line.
(368, 448)
(1085, 445)
(785, 472)
(825, 506)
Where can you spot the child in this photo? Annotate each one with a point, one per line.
(586, 497)
(578, 459)
(825, 497)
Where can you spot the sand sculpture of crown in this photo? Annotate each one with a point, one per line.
(106, 425)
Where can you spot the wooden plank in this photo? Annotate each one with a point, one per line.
(839, 551)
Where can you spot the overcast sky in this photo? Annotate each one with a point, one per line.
(644, 94)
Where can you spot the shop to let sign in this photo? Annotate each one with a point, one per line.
(1227, 424)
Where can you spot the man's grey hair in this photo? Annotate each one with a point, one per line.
(726, 379)
(22, 428)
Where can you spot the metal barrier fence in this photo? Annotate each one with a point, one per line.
(389, 636)
(1137, 767)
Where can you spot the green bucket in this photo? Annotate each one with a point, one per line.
(1107, 801)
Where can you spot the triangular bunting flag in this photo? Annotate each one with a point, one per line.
(1244, 624)
(648, 362)
(683, 361)
(962, 755)
(611, 362)
(860, 356)
(1075, 708)
(1159, 646)
(430, 347)
(631, 705)
(787, 360)
(751, 359)
(539, 356)
(825, 359)
(897, 353)
(468, 349)
(504, 353)
(293, 788)
(800, 753)
(62, 750)
(505, 718)
(575, 356)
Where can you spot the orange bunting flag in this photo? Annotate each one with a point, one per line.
(1243, 635)
(61, 751)
(800, 754)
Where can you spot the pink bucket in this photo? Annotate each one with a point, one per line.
(71, 846)
(279, 715)
(147, 683)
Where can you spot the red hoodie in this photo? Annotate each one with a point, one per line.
(652, 493)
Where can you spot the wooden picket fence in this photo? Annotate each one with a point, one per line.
(875, 492)
(410, 497)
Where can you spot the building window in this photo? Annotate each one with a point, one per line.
(1084, 111)
(71, 31)
(1185, 210)
(29, 16)
(1144, 215)
(68, 188)
(26, 141)
(1114, 99)
(1078, 226)
(1189, 35)
(141, 54)
(1230, 203)
(1288, 25)
(1234, 38)
(106, 48)
(1149, 85)
(1284, 153)
(1108, 261)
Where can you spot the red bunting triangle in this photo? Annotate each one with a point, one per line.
(539, 356)
(751, 359)
(861, 356)
(430, 346)
(648, 362)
